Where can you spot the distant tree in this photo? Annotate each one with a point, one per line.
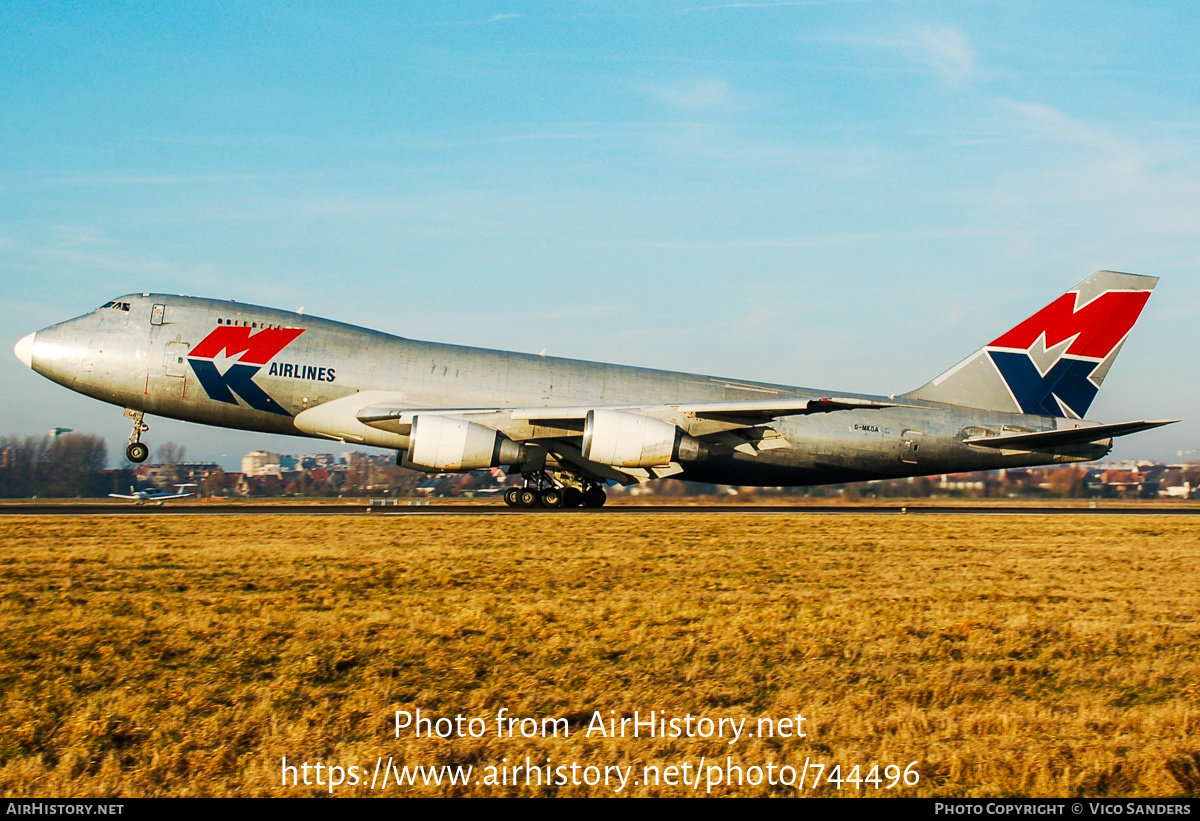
(75, 465)
(71, 465)
(216, 483)
(402, 481)
(16, 466)
(1067, 482)
(921, 487)
(171, 454)
(671, 487)
(302, 485)
(120, 480)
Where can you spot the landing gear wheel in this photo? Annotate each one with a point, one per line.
(528, 497)
(136, 451)
(552, 497)
(512, 497)
(572, 497)
(594, 497)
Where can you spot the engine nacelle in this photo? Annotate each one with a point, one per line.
(632, 441)
(444, 443)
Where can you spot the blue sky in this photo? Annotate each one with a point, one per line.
(845, 195)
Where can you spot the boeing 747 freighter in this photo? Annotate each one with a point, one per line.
(571, 428)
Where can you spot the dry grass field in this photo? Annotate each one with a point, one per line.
(1006, 655)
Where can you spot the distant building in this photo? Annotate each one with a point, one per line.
(959, 481)
(261, 463)
(196, 471)
(1131, 480)
(164, 476)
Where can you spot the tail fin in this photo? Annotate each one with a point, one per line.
(1054, 362)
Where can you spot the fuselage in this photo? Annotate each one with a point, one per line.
(176, 357)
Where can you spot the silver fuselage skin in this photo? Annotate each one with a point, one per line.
(139, 359)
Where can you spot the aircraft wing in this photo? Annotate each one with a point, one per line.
(697, 418)
(1046, 439)
(744, 427)
(179, 492)
(124, 496)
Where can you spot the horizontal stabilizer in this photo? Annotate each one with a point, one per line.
(1046, 439)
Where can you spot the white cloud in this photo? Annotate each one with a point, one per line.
(768, 5)
(79, 236)
(495, 18)
(1100, 161)
(1051, 123)
(150, 179)
(1131, 196)
(945, 50)
(695, 95)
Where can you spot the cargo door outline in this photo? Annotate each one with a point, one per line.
(175, 368)
(175, 359)
(910, 446)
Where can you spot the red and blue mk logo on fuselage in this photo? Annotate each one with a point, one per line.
(252, 351)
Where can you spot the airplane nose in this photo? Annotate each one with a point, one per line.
(24, 349)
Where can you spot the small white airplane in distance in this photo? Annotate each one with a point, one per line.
(157, 496)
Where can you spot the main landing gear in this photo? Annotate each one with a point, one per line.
(541, 489)
(135, 451)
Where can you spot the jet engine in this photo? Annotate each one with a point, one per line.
(630, 440)
(445, 443)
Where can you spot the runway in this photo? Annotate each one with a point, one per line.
(93, 509)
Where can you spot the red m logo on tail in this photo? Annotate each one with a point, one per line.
(1100, 324)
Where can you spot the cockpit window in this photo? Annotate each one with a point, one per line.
(116, 306)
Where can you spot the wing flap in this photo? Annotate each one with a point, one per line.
(737, 414)
(403, 415)
(755, 412)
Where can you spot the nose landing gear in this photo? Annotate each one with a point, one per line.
(135, 451)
